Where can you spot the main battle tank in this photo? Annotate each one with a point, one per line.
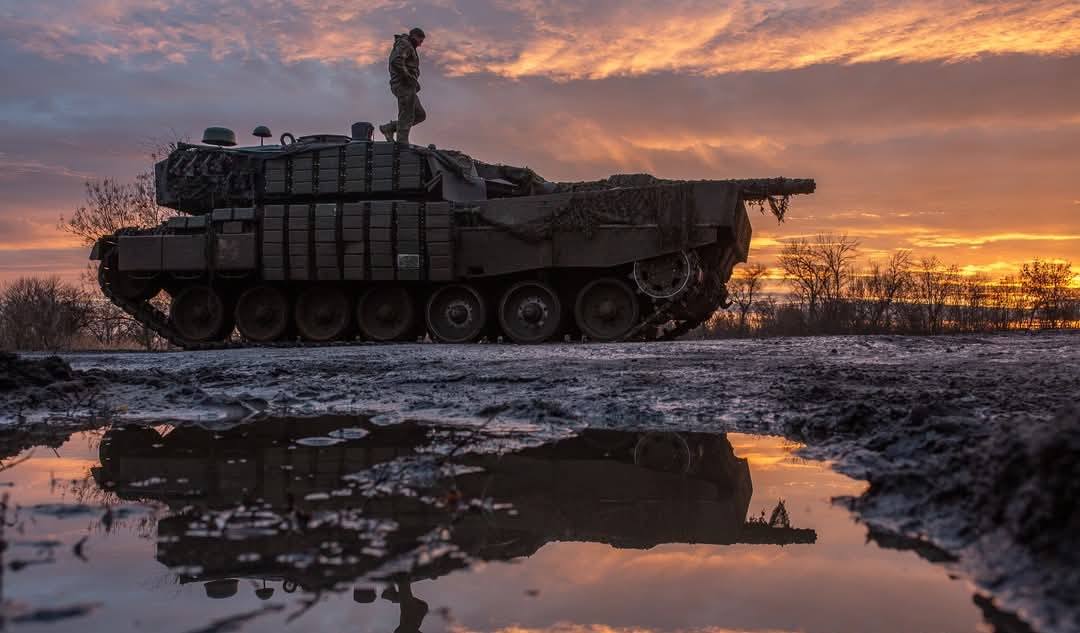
(341, 238)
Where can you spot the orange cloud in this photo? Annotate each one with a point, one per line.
(718, 38)
(19, 233)
(557, 40)
(937, 240)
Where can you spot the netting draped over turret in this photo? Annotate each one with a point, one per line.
(671, 207)
(756, 192)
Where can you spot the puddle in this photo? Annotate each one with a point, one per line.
(338, 524)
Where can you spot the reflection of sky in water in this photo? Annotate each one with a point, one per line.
(840, 583)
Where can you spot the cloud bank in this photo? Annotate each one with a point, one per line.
(948, 127)
(546, 38)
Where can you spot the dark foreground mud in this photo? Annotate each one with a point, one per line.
(970, 444)
(997, 495)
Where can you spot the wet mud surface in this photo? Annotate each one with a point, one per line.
(969, 444)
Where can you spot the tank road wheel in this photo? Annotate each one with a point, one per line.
(322, 313)
(198, 314)
(456, 314)
(385, 313)
(262, 314)
(530, 312)
(606, 309)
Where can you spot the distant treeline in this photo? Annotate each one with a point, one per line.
(827, 294)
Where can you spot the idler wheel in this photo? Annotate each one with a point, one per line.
(198, 314)
(456, 314)
(124, 285)
(664, 452)
(665, 276)
(606, 309)
(262, 314)
(322, 313)
(530, 312)
(385, 313)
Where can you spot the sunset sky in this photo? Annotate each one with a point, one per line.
(950, 127)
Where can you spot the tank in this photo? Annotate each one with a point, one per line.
(334, 238)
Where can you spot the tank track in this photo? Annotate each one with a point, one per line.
(158, 322)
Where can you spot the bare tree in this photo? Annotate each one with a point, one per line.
(932, 288)
(744, 289)
(111, 205)
(804, 273)
(1046, 284)
(42, 313)
(972, 305)
(819, 273)
(1005, 302)
(835, 255)
(882, 287)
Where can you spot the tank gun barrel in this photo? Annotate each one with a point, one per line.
(763, 188)
(751, 189)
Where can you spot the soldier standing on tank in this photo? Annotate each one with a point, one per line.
(405, 84)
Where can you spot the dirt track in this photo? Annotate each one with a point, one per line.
(969, 443)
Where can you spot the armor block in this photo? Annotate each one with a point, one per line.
(140, 252)
(184, 252)
(235, 252)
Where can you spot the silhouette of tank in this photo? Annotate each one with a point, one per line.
(260, 501)
(333, 238)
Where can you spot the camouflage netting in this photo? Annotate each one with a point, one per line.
(755, 192)
(669, 206)
(615, 181)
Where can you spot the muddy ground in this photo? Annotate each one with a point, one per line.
(971, 444)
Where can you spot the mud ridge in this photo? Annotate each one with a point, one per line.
(997, 494)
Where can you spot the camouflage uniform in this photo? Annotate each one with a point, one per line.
(405, 84)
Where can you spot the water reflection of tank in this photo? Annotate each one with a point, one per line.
(252, 502)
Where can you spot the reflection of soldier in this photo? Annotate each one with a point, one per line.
(405, 84)
(413, 609)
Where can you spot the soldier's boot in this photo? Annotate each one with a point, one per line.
(403, 136)
(388, 130)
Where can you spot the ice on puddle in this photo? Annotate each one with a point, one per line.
(319, 441)
(349, 433)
